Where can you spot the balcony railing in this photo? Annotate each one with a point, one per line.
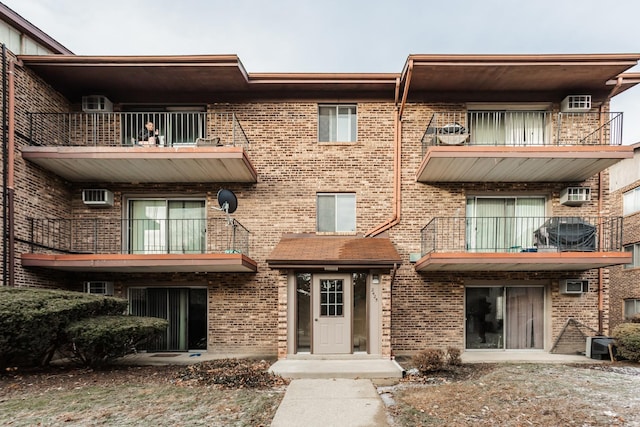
(124, 129)
(522, 234)
(522, 128)
(138, 236)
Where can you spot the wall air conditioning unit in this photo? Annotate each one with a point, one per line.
(98, 288)
(96, 104)
(575, 196)
(97, 197)
(574, 286)
(576, 104)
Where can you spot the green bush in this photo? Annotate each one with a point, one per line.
(32, 321)
(95, 342)
(627, 336)
(635, 318)
(429, 360)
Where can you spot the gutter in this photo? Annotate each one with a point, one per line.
(397, 155)
(10, 164)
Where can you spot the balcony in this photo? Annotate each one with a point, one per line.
(139, 245)
(520, 146)
(521, 244)
(106, 147)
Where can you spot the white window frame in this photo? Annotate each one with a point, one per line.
(341, 124)
(634, 304)
(339, 213)
(635, 255)
(631, 201)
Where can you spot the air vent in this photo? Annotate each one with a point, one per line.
(573, 286)
(98, 288)
(96, 104)
(575, 196)
(576, 104)
(97, 197)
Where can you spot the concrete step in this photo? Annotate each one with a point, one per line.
(317, 368)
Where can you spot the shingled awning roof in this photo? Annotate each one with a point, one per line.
(313, 251)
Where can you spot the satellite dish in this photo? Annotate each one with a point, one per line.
(227, 200)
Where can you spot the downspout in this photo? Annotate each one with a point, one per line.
(397, 157)
(10, 174)
(600, 220)
(5, 269)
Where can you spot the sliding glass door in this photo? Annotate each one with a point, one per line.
(158, 226)
(507, 127)
(510, 317)
(184, 308)
(503, 224)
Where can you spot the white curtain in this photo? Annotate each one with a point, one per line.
(524, 320)
(186, 226)
(507, 127)
(148, 226)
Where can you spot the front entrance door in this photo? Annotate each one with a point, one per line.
(332, 304)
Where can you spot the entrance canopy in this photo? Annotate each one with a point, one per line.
(314, 251)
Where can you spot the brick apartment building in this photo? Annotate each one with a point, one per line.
(461, 202)
(625, 197)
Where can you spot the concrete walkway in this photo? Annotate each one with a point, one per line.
(351, 368)
(331, 402)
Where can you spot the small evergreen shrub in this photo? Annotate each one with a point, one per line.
(635, 318)
(428, 360)
(627, 336)
(96, 341)
(453, 356)
(32, 321)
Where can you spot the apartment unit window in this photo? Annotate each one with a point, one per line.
(631, 307)
(503, 224)
(631, 201)
(336, 212)
(337, 123)
(508, 127)
(158, 226)
(635, 255)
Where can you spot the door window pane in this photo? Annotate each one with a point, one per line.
(331, 298)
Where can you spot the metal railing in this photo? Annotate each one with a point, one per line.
(126, 129)
(522, 128)
(138, 236)
(522, 234)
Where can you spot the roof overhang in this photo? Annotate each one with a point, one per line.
(148, 263)
(312, 251)
(17, 21)
(197, 79)
(482, 78)
(530, 261)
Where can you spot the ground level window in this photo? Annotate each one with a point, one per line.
(631, 308)
(505, 317)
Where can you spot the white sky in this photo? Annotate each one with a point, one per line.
(343, 35)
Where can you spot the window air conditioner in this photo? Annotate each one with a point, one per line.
(96, 104)
(97, 197)
(98, 288)
(575, 196)
(574, 286)
(576, 104)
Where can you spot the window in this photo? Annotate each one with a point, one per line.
(631, 201)
(336, 212)
(635, 255)
(337, 123)
(158, 226)
(631, 307)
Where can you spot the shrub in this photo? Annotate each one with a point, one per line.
(453, 356)
(627, 336)
(95, 342)
(635, 318)
(32, 321)
(429, 360)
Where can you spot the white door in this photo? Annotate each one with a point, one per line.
(332, 313)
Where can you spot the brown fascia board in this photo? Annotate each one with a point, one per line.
(298, 78)
(26, 27)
